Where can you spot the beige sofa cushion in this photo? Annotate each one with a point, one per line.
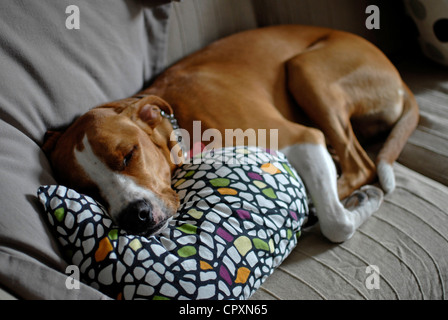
(406, 239)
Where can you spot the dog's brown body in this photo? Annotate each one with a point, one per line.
(258, 79)
(266, 79)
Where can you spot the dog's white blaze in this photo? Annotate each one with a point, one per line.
(317, 169)
(117, 189)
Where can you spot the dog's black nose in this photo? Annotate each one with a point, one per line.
(137, 218)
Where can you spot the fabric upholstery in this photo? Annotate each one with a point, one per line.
(50, 75)
(406, 239)
(427, 149)
(196, 23)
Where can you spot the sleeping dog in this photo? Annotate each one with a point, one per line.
(268, 78)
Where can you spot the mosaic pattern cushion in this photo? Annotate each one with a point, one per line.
(241, 212)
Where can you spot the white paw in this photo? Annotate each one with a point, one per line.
(386, 176)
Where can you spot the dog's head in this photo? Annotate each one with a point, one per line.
(120, 154)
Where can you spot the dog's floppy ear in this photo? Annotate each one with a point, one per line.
(50, 139)
(150, 114)
(149, 108)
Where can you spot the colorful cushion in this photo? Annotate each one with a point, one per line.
(241, 209)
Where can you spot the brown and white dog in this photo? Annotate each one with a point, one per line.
(262, 79)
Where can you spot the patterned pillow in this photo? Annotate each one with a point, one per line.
(241, 209)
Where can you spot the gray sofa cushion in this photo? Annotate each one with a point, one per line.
(195, 24)
(50, 75)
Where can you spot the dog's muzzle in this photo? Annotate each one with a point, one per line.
(137, 218)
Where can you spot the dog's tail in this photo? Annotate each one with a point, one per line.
(394, 144)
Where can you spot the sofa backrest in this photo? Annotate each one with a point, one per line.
(196, 23)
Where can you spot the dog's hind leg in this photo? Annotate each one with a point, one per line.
(316, 167)
(314, 80)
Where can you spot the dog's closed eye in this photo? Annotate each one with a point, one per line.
(128, 157)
